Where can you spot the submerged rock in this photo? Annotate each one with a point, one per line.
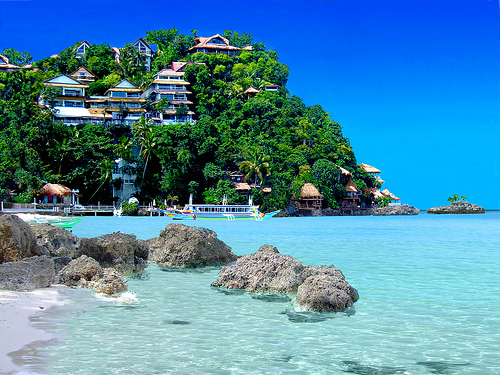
(28, 274)
(269, 271)
(55, 240)
(457, 208)
(182, 246)
(123, 252)
(17, 240)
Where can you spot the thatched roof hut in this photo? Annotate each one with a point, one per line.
(373, 191)
(344, 171)
(351, 187)
(387, 193)
(369, 169)
(57, 190)
(309, 191)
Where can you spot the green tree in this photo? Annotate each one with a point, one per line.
(256, 164)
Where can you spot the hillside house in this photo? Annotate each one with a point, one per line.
(83, 75)
(81, 49)
(215, 44)
(123, 102)
(6, 66)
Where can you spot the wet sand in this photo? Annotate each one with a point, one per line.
(16, 329)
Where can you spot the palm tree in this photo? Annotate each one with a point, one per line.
(105, 171)
(143, 130)
(256, 164)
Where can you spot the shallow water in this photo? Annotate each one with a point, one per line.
(429, 304)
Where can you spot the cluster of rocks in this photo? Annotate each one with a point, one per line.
(457, 208)
(44, 254)
(267, 271)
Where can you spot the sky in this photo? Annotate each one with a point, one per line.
(415, 84)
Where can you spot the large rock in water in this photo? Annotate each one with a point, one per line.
(123, 252)
(28, 274)
(325, 293)
(17, 240)
(269, 271)
(182, 246)
(55, 240)
(457, 208)
(85, 272)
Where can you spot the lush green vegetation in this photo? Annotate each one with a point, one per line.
(274, 138)
(456, 198)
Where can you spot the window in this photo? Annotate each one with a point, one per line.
(118, 94)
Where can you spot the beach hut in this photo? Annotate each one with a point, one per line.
(351, 200)
(55, 193)
(394, 199)
(310, 198)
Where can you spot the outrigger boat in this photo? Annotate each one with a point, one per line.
(62, 221)
(223, 211)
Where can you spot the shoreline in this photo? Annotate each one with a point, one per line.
(16, 311)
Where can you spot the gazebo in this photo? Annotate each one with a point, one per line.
(310, 198)
(55, 193)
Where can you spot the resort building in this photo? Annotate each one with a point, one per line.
(310, 198)
(83, 75)
(124, 178)
(145, 51)
(123, 101)
(394, 200)
(5, 66)
(81, 49)
(372, 171)
(169, 84)
(68, 104)
(215, 44)
(351, 200)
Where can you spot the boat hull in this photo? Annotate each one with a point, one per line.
(258, 216)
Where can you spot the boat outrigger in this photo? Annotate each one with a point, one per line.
(62, 221)
(223, 211)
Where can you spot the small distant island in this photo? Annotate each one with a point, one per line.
(457, 206)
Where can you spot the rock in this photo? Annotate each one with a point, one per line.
(123, 252)
(17, 240)
(28, 274)
(457, 208)
(85, 272)
(182, 246)
(325, 293)
(269, 271)
(111, 283)
(402, 209)
(60, 263)
(79, 272)
(56, 240)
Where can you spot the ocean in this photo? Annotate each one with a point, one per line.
(429, 290)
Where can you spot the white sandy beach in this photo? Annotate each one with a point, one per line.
(16, 330)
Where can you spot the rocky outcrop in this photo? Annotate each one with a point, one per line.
(325, 293)
(55, 240)
(269, 271)
(457, 208)
(17, 240)
(123, 252)
(182, 246)
(85, 272)
(402, 209)
(28, 274)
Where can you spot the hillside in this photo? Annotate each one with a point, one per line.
(240, 115)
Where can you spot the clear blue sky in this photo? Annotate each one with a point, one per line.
(414, 83)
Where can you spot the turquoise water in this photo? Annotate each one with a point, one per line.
(429, 304)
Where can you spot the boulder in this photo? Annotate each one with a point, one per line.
(79, 272)
(111, 283)
(55, 240)
(322, 293)
(17, 240)
(28, 274)
(85, 272)
(269, 271)
(182, 246)
(123, 252)
(457, 208)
